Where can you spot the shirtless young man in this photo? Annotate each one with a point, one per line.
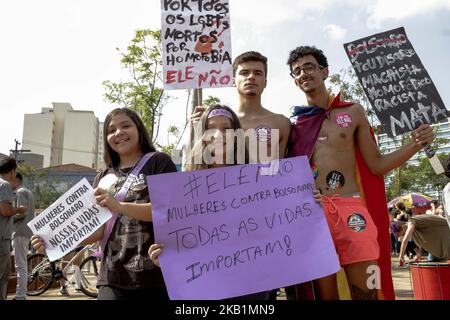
(334, 161)
(250, 79)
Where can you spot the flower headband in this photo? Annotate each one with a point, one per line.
(220, 112)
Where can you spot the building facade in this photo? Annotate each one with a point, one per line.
(62, 135)
(388, 145)
(101, 152)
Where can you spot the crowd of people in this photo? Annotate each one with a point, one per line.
(335, 135)
(415, 235)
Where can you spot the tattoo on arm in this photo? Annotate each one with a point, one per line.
(360, 294)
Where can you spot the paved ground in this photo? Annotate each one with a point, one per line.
(402, 281)
(401, 277)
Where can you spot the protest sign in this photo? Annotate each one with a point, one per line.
(196, 44)
(69, 220)
(396, 83)
(233, 231)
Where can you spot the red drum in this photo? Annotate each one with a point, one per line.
(431, 280)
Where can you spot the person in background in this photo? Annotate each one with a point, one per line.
(8, 166)
(434, 204)
(394, 250)
(404, 215)
(446, 191)
(429, 232)
(21, 235)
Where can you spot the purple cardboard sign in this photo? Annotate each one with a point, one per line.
(233, 231)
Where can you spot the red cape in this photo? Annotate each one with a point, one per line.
(304, 133)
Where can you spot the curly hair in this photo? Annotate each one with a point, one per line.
(303, 51)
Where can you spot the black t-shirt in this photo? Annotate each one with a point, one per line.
(126, 263)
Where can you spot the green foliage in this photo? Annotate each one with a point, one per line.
(175, 132)
(45, 195)
(416, 178)
(210, 101)
(45, 192)
(143, 93)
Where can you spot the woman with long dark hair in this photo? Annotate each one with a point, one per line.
(126, 270)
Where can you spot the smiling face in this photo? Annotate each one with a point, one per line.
(216, 139)
(309, 82)
(250, 78)
(122, 135)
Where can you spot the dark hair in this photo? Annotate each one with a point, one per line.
(303, 51)
(111, 157)
(447, 167)
(401, 206)
(19, 176)
(7, 164)
(249, 56)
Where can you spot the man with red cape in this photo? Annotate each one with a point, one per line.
(349, 169)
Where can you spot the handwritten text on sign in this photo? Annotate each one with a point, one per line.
(196, 42)
(398, 87)
(69, 220)
(233, 231)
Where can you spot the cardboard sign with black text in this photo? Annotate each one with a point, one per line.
(196, 44)
(395, 81)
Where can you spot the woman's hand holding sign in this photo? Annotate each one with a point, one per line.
(139, 211)
(154, 251)
(105, 199)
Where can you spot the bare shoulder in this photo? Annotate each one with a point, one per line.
(357, 108)
(357, 111)
(282, 118)
(278, 118)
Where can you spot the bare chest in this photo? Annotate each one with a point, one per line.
(337, 132)
(264, 129)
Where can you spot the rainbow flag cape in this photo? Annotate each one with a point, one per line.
(303, 137)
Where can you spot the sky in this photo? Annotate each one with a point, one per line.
(62, 51)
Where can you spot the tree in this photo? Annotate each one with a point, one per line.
(174, 131)
(210, 101)
(347, 83)
(45, 191)
(144, 93)
(419, 178)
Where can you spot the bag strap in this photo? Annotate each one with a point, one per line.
(120, 196)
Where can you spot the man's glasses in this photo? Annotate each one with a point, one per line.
(307, 68)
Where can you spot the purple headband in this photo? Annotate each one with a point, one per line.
(220, 112)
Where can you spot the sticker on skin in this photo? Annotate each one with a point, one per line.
(323, 137)
(344, 120)
(263, 133)
(357, 222)
(315, 170)
(335, 180)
